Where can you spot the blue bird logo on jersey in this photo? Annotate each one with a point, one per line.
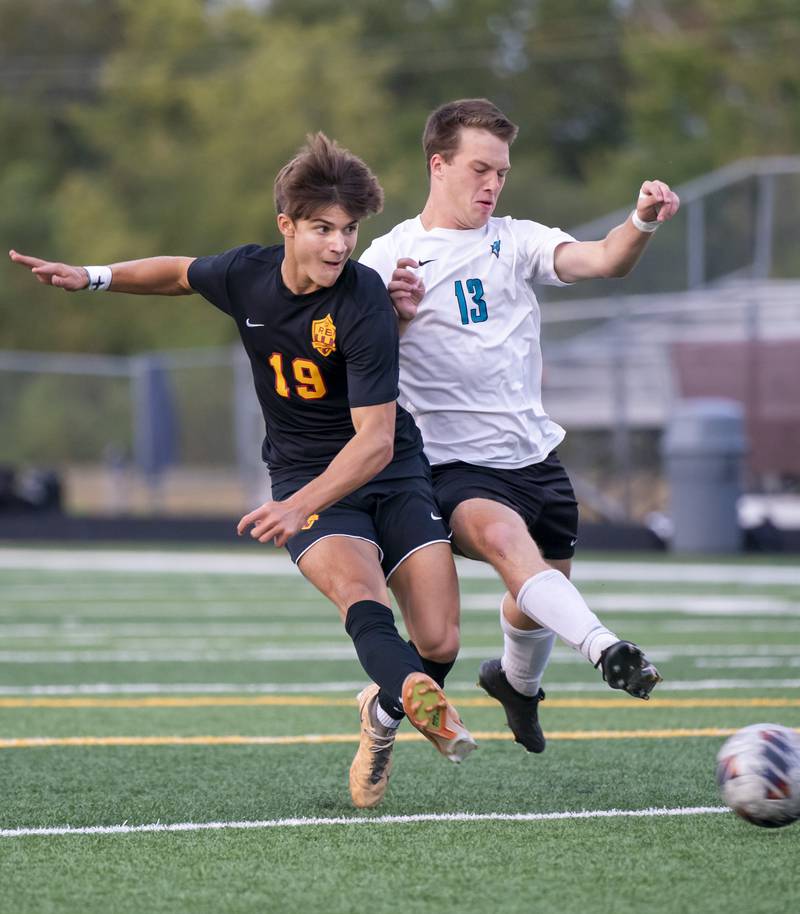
(496, 248)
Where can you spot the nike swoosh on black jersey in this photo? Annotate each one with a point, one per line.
(423, 262)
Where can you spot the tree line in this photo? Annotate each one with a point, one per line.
(135, 127)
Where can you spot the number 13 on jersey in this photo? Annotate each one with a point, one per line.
(478, 314)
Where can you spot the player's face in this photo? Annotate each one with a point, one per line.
(317, 248)
(470, 183)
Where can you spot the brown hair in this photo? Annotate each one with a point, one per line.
(443, 127)
(322, 174)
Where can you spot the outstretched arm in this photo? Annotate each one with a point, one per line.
(618, 253)
(150, 276)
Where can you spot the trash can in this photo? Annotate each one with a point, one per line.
(703, 450)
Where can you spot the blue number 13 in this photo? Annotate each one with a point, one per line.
(475, 290)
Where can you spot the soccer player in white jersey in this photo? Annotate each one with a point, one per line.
(470, 374)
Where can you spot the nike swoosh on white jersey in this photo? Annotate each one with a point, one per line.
(251, 324)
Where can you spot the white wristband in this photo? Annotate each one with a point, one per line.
(99, 278)
(643, 226)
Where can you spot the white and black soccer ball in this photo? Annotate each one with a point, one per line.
(758, 772)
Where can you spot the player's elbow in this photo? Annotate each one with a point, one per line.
(613, 262)
(611, 267)
(387, 453)
(383, 445)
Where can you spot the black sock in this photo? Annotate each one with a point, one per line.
(437, 671)
(386, 658)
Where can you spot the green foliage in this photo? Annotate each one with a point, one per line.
(712, 81)
(85, 415)
(135, 127)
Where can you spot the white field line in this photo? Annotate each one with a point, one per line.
(685, 604)
(287, 608)
(67, 607)
(74, 628)
(344, 653)
(720, 626)
(125, 829)
(745, 663)
(272, 563)
(127, 589)
(703, 657)
(351, 687)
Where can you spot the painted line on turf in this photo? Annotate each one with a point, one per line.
(702, 657)
(680, 603)
(319, 701)
(276, 688)
(692, 604)
(271, 562)
(40, 742)
(125, 829)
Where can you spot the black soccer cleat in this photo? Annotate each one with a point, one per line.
(522, 711)
(624, 666)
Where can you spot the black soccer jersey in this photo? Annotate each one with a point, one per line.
(313, 356)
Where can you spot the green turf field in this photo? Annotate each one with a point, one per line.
(212, 697)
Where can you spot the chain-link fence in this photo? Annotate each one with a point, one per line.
(181, 430)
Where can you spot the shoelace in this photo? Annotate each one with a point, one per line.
(380, 743)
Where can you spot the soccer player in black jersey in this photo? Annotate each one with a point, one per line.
(352, 498)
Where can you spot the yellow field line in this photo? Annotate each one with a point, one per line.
(314, 739)
(309, 701)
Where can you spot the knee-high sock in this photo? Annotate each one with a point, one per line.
(437, 671)
(386, 657)
(550, 599)
(525, 654)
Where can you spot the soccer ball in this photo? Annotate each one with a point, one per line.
(758, 772)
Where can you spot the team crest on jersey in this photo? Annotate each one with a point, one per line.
(496, 248)
(323, 335)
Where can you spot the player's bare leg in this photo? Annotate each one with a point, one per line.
(426, 588)
(347, 571)
(493, 532)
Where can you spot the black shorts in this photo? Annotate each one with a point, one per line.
(540, 493)
(397, 512)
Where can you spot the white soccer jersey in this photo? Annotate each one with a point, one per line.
(471, 361)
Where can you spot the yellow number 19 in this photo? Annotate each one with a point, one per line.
(310, 384)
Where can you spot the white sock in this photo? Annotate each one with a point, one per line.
(550, 599)
(387, 720)
(525, 654)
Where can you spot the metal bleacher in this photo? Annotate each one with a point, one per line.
(610, 360)
(727, 269)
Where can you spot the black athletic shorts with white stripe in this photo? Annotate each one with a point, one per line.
(397, 512)
(540, 493)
